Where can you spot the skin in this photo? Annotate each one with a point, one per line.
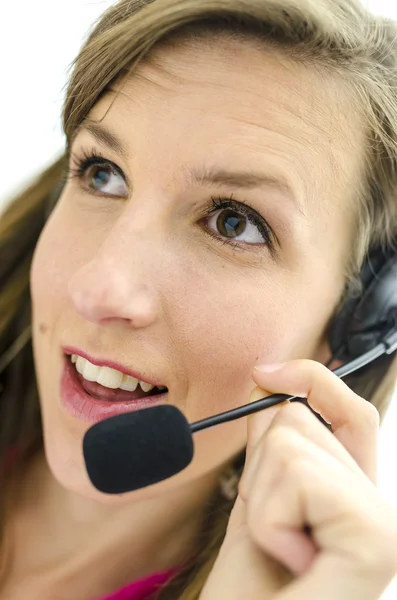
(135, 276)
(308, 521)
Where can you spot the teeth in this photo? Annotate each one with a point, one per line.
(129, 383)
(108, 377)
(146, 386)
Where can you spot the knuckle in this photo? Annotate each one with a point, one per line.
(294, 415)
(278, 439)
(297, 466)
(366, 558)
(375, 540)
(370, 413)
(388, 555)
(389, 559)
(294, 411)
(379, 556)
(317, 369)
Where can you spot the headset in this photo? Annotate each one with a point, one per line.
(366, 322)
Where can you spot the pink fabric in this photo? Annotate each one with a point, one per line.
(142, 589)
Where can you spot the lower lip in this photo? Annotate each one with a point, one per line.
(79, 404)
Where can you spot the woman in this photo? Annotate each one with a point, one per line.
(228, 165)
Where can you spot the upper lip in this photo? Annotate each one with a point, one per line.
(102, 362)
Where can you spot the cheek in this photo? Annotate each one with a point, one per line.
(223, 330)
(44, 275)
(52, 263)
(49, 276)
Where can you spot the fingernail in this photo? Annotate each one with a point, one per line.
(268, 368)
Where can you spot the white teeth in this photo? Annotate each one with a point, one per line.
(110, 378)
(146, 386)
(129, 383)
(87, 370)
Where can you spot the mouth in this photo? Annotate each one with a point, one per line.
(108, 391)
(91, 401)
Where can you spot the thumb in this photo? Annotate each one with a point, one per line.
(242, 570)
(258, 423)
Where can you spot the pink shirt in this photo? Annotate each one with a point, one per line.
(141, 589)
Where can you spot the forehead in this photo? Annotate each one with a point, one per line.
(248, 104)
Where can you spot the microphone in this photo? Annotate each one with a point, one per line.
(137, 449)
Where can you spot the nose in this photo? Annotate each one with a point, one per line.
(118, 282)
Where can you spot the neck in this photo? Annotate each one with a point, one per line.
(139, 538)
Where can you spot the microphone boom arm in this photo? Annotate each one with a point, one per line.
(388, 346)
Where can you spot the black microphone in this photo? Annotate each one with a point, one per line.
(133, 450)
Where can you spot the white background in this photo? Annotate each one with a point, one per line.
(38, 43)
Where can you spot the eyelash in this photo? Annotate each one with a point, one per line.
(81, 162)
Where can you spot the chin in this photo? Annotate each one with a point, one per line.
(71, 474)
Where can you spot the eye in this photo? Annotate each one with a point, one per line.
(98, 175)
(231, 222)
(238, 222)
(101, 178)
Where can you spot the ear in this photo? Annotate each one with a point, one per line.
(323, 354)
(335, 364)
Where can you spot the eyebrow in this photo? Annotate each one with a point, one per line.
(220, 177)
(103, 136)
(243, 180)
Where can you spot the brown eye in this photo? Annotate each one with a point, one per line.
(231, 224)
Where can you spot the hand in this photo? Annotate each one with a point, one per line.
(308, 522)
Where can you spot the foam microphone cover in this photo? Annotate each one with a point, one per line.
(137, 449)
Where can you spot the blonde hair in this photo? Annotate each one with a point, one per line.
(339, 35)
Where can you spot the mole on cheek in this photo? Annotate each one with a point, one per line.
(43, 328)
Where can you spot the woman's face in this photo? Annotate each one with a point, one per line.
(132, 268)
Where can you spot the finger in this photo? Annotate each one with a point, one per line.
(355, 422)
(352, 527)
(298, 417)
(238, 556)
(259, 423)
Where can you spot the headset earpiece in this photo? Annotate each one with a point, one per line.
(363, 321)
